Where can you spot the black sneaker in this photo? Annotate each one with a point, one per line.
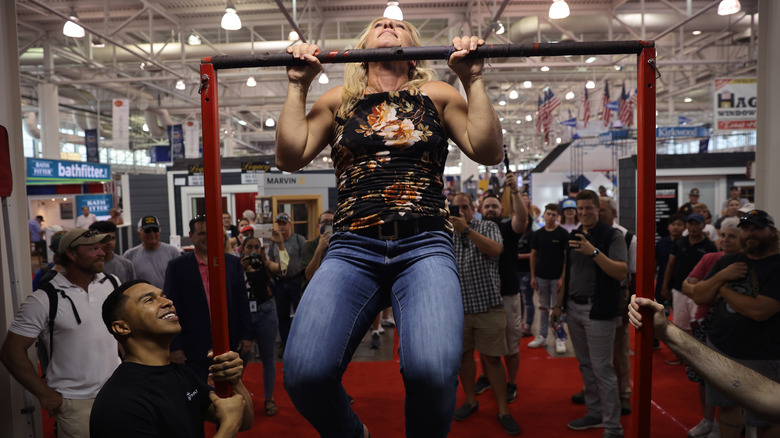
(376, 342)
(465, 410)
(510, 425)
(578, 398)
(482, 385)
(511, 392)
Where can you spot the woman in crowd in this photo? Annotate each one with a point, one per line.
(570, 222)
(388, 127)
(264, 322)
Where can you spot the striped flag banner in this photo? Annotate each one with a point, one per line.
(606, 112)
(585, 109)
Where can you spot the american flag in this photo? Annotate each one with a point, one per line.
(626, 108)
(606, 113)
(585, 109)
(550, 103)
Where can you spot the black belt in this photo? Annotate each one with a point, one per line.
(400, 229)
(578, 300)
(291, 278)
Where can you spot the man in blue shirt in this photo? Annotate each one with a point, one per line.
(36, 236)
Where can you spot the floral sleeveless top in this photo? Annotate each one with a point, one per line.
(389, 155)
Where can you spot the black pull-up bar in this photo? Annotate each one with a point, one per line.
(433, 52)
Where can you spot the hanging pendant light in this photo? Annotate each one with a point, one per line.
(231, 20)
(393, 11)
(71, 28)
(559, 9)
(728, 7)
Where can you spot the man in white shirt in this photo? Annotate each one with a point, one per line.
(86, 219)
(82, 356)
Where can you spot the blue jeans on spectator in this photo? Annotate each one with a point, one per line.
(287, 293)
(548, 293)
(264, 328)
(527, 295)
(357, 279)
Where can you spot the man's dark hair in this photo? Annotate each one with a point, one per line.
(103, 227)
(490, 195)
(115, 303)
(553, 207)
(319, 218)
(588, 195)
(676, 217)
(574, 188)
(195, 220)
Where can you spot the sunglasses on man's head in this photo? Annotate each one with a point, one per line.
(86, 234)
(151, 230)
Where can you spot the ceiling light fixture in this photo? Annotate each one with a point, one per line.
(618, 67)
(71, 27)
(687, 100)
(518, 121)
(559, 9)
(242, 122)
(293, 36)
(393, 11)
(251, 82)
(544, 68)
(193, 39)
(98, 43)
(513, 94)
(590, 85)
(528, 84)
(728, 7)
(145, 128)
(502, 102)
(231, 20)
(528, 118)
(590, 60)
(500, 30)
(269, 122)
(180, 85)
(696, 32)
(323, 79)
(569, 95)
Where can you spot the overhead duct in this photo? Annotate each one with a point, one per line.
(31, 125)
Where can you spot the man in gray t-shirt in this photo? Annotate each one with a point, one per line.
(287, 282)
(150, 258)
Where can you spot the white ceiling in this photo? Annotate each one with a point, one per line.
(89, 77)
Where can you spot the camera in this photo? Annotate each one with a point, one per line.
(454, 210)
(255, 260)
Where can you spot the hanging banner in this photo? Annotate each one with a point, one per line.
(99, 205)
(121, 125)
(192, 147)
(91, 142)
(40, 171)
(736, 102)
(176, 141)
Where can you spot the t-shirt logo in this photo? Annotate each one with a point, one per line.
(192, 394)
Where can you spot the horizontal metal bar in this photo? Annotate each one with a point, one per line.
(221, 62)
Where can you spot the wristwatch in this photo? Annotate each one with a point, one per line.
(595, 253)
(466, 231)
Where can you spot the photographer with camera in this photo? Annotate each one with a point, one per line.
(263, 314)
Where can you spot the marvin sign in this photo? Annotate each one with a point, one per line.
(69, 172)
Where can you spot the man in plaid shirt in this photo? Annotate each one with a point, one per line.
(478, 245)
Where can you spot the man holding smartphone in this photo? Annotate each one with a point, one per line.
(596, 262)
(315, 249)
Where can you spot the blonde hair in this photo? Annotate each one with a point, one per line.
(356, 75)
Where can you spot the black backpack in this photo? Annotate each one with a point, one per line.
(53, 294)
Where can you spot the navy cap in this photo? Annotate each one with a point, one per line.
(757, 217)
(698, 217)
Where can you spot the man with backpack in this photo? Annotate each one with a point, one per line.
(82, 356)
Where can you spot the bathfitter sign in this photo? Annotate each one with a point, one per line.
(65, 172)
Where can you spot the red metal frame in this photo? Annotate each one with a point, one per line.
(645, 231)
(212, 177)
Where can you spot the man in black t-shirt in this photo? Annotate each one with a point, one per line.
(686, 253)
(548, 256)
(745, 317)
(148, 395)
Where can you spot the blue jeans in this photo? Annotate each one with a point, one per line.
(548, 294)
(264, 327)
(527, 295)
(359, 277)
(287, 293)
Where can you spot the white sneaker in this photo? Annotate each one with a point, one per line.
(715, 431)
(538, 342)
(705, 427)
(381, 329)
(560, 346)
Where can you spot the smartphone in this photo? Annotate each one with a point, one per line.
(326, 229)
(454, 210)
(264, 232)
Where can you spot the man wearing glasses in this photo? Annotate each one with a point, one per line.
(81, 355)
(151, 257)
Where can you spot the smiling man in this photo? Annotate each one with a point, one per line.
(150, 396)
(151, 257)
(82, 355)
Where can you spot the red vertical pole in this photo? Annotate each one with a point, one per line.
(643, 359)
(212, 177)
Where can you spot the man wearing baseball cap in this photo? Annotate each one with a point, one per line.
(693, 199)
(81, 355)
(744, 289)
(151, 257)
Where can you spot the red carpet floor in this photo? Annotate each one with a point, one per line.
(542, 408)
